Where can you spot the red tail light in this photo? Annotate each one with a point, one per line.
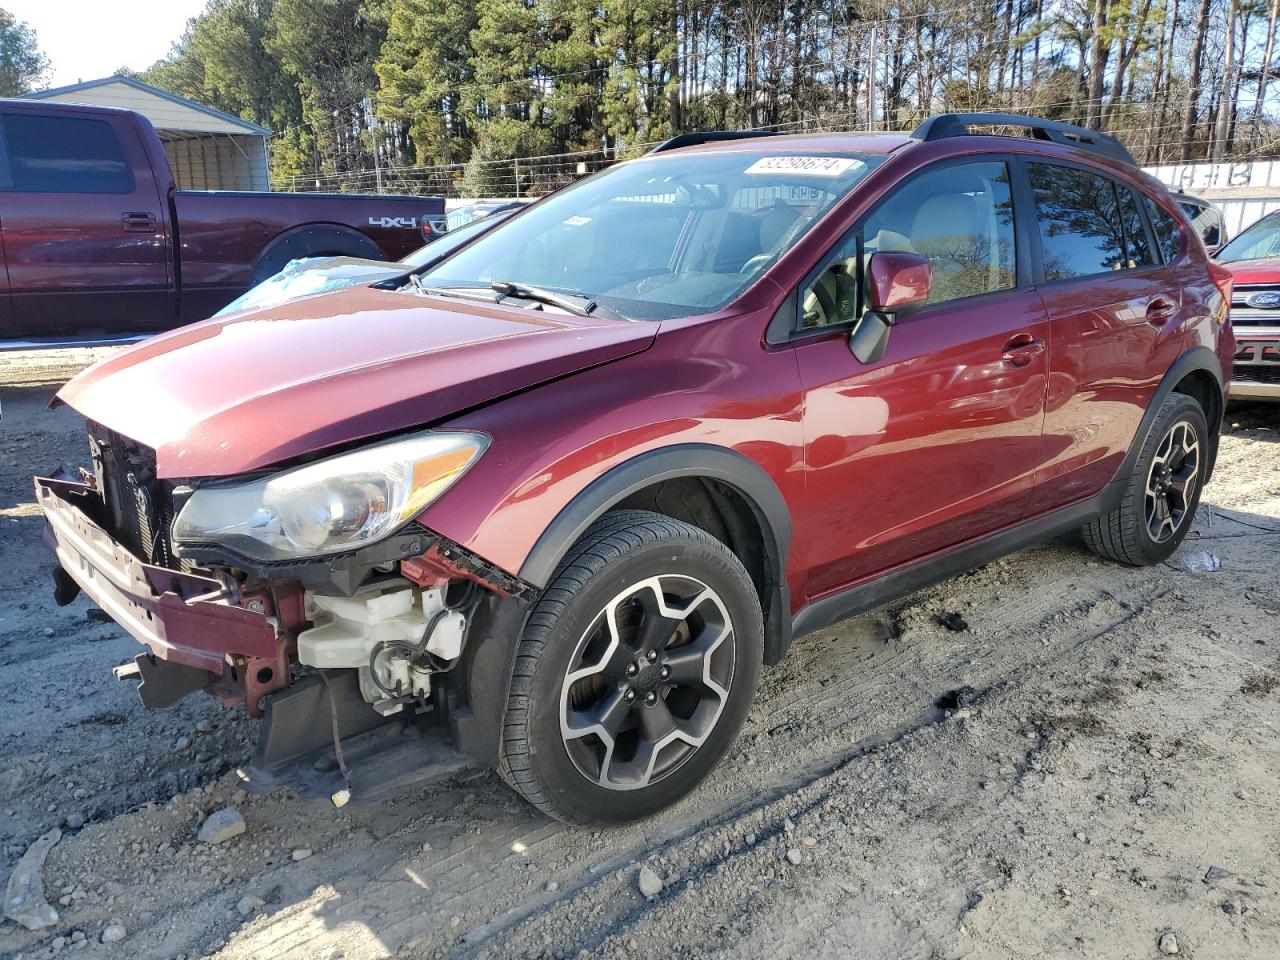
(432, 226)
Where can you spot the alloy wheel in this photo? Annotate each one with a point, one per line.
(1171, 481)
(647, 682)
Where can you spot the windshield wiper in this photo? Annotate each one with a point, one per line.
(569, 303)
(577, 304)
(462, 293)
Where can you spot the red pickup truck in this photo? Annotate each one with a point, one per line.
(98, 243)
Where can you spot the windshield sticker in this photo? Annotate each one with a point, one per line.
(577, 221)
(808, 166)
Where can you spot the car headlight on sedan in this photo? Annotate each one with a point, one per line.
(330, 506)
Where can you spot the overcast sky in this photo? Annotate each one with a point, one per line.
(88, 39)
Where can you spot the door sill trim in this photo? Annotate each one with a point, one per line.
(916, 575)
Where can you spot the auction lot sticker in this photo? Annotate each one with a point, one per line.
(810, 166)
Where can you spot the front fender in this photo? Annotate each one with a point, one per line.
(665, 463)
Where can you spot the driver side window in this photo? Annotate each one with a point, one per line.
(960, 216)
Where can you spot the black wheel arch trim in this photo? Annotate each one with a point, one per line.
(1197, 358)
(700, 460)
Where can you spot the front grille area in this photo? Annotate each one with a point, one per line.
(139, 506)
(1257, 361)
(1243, 315)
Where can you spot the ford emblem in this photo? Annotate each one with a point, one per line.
(1265, 299)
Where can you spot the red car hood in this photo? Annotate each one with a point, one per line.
(1266, 270)
(254, 389)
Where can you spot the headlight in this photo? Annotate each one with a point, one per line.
(332, 505)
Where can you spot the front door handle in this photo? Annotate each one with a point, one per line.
(1159, 310)
(1022, 349)
(139, 222)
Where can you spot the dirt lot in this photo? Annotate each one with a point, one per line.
(1086, 761)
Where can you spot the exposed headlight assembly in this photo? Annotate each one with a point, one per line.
(330, 506)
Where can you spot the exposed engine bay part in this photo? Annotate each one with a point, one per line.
(446, 560)
(164, 682)
(296, 745)
(396, 636)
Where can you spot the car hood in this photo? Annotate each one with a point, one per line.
(254, 389)
(1265, 270)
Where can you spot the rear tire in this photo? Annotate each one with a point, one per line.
(637, 667)
(1162, 492)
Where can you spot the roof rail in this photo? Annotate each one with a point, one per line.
(710, 136)
(957, 125)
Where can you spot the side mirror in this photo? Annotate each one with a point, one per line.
(896, 282)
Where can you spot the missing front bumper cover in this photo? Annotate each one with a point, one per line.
(183, 618)
(163, 683)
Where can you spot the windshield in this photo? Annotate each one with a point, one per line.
(456, 237)
(663, 236)
(1260, 240)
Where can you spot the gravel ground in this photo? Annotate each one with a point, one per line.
(1083, 762)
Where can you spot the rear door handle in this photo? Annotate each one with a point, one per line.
(1022, 349)
(1159, 310)
(138, 222)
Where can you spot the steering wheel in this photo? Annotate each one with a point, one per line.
(826, 305)
(756, 262)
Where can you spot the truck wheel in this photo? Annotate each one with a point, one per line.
(636, 669)
(313, 242)
(1163, 491)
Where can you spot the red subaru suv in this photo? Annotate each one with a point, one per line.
(559, 497)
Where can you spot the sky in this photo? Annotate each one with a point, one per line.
(88, 39)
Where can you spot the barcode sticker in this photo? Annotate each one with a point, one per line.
(808, 166)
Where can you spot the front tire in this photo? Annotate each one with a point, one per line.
(1163, 491)
(635, 672)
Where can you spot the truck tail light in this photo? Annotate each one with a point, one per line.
(1224, 280)
(433, 227)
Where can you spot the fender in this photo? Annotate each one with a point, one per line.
(708, 461)
(1197, 358)
(475, 714)
(310, 240)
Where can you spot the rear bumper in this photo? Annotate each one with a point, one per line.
(180, 617)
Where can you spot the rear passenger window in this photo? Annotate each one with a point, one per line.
(1168, 232)
(1081, 232)
(64, 155)
(1135, 233)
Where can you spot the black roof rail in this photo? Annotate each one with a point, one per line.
(957, 125)
(710, 136)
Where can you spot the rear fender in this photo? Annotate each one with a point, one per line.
(313, 240)
(1197, 358)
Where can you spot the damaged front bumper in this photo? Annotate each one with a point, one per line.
(182, 618)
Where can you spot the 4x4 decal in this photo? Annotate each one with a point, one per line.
(408, 223)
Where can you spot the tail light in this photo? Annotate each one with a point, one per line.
(432, 227)
(1224, 280)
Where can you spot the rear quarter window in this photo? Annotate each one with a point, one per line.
(64, 155)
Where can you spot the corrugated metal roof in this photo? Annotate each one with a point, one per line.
(165, 110)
